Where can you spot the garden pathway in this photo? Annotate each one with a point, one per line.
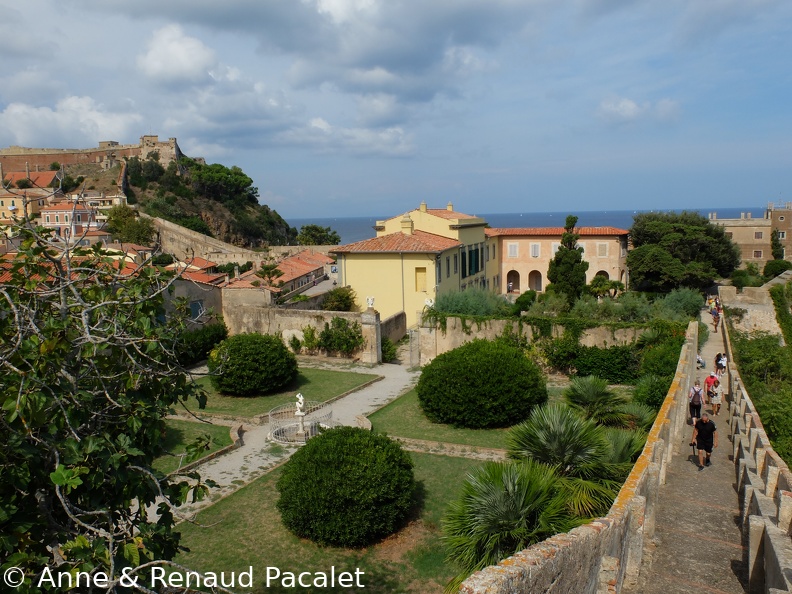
(257, 455)
(698, 543)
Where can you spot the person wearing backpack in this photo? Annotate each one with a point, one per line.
(695, 400)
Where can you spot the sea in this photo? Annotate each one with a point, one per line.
(352, 229)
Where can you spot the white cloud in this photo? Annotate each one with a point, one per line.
(74, 122)
(622, 110)
(321, 136)
(173, 57)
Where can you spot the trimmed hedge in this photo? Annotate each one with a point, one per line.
(481, 384)
(346, 487)
(617, 364)
(195, 345)
(251, 364)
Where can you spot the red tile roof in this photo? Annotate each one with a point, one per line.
(40, 179)
(448, 214)
(67, 206)
(516, 231)
(301, 264)
(195, 263)
(203, 277)
(419, 241)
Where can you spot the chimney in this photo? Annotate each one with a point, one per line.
(449, 206)
(407, 224)
(27, 169)
(236, 271)
(423, 206)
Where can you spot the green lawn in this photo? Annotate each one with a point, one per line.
(314, 384)
(181, 433)
(246, 530)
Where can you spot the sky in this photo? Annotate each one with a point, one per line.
(368, 107)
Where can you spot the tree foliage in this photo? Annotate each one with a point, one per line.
(776, 248)
(481, 384)
(341, 337)
(340, 299)
(317, 235)
(126, 226)
(251, 364)
(346, 487)
(567, 271)
(88, 376)
(672, 250)
(775, 267)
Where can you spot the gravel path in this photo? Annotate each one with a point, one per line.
(258, 455)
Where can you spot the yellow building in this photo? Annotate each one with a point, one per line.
(416, 257)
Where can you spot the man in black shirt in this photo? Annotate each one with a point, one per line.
(705, 437)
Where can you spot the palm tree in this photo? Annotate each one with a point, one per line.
(504, 507)
(639, 416)
(592, 397)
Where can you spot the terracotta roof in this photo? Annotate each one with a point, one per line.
(67, 206)
(203, 277)
(449, 214)
(40, 179)
(301, 264)
(419, 241)
(195, 263)
(125, 247)
(515, 231)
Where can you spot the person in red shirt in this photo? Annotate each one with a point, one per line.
(708, 383)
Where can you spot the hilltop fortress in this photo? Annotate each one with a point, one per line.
(108, 154)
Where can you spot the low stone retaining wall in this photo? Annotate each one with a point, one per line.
(236, 442)
(764, 488)
(604, 555)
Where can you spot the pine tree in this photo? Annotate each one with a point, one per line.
(567, 271)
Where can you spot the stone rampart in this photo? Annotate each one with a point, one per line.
(764, 488)
(604, 555)
(435, 340)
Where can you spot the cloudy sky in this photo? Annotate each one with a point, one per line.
(367, 107)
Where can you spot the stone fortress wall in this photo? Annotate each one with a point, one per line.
(107, 154)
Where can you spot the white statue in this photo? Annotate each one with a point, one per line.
(300, 404)
(370, 301)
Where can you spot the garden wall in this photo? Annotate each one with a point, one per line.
(394, 327)
(245, 311)
(764, 489)
(604, 555)
(436, 341)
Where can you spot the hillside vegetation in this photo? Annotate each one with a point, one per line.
(211, 199)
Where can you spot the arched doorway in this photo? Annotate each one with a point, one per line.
(603, 273)
(513, 281)
(535, 281)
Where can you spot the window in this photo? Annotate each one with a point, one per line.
(758, 235)
(602, 250)
(493, 251)
(420, 280)
(65, 218)
(48, 219)
(196, 309)
(782, 235)
(488, 253)
(448, 266)
(554, 247)
(456, 262)
(535, 250)
(56, 219)
(781, 218)
(464, 264)
(757, 253)
(512, 249)
(79, 218)
(438, 272)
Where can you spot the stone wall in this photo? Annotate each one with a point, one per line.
(604, 555)
(436, 341)
(246, 311)
(395, 327)
(764, 488)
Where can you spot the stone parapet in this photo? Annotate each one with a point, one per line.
(604, 555)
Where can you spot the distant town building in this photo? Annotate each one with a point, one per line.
(753, 236)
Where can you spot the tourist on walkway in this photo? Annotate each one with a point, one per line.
(711, 379)
(706, 438)
(721, 366)
(695, 400)
(717, 397)
(715, 320)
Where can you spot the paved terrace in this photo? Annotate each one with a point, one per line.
(698, 545)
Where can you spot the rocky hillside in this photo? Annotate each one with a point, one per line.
(212, 199)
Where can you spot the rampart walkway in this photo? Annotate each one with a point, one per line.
(698, 545)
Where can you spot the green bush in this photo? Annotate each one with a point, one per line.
(472, 302)
(687, 301)
(743, 278)
(775, 267)
(389, 350)
(340, 299)
(481, 384)
(561, 353)
(339, 336)
(661, 359)
(251, 364)
(295, 344)
(651, 390)
(783, 315)
(346, 487)
(195, 345)
(616, 364)
(524, 302)
(310, 339)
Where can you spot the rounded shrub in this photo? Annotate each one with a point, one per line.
(775, 267)
(481, 384)
(346, 487)
(250, 364)
(652, 389)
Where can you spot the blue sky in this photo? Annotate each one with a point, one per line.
(368, 107)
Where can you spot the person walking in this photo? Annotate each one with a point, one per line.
(722, 360)
(715, 320)
(705, 437)
(695, 400)
(716, 398)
